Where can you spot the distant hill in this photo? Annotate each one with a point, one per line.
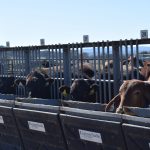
(140, 49)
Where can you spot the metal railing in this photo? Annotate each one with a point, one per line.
(66, 61)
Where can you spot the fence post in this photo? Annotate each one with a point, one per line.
(27, 61)
(66, 65)
(116, 60)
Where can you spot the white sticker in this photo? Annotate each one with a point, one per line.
(36, 126)
(90, 136)
(1, 120)
(149, 145)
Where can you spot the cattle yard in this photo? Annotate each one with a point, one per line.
(59, 120)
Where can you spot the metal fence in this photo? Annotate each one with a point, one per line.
(66, 60)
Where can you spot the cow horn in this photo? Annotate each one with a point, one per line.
(116, 98)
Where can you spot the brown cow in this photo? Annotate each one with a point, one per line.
(133, 93)
(130, 68)
(86, 71)
(133, 61)
(145, 70)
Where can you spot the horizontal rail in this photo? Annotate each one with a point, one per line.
(90, 44)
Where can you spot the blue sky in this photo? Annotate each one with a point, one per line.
(25, 22)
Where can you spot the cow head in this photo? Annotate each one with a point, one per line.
(145, 70)
(37, 84)
(81, 90)
(133, 61)
(132, 93)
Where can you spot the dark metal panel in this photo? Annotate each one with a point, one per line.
(92, 134)
(9, 135)
(137, 137)
(40, 130)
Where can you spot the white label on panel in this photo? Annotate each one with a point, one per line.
(90, 136)
(1, 119)
(36, 126)
(144, 34)
(85, 38)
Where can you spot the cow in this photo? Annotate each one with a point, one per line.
(129, 69)
(45, 64)
(7, 85)
(84, 90)
(37, 84)
(145, 70)
(132, 93)
(86, 71)
(133, 61)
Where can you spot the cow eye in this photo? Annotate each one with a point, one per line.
(137, 93)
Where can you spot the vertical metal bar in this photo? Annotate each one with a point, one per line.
(77, 60)
(73, 64)
(66, 65)
(132, 57)
(19, 51)
(50, 66)
(116, 61)
(22, 69)
(109, 81)
(22, 56)
(16, 56)
(49, 61)
(56, 87)
(27, 60)
(39, 57)
(3, 63)
(53, 69)
(121, 62)
(126, 68)
(99, 74)
(94, 53)
(137, 59)
(60, 68)
(104, 75)
(81, 60)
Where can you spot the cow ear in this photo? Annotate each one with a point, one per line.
(93, 89)
(94, 86)
(18, 81)
(65, 90)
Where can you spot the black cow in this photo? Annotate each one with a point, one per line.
(7, 85)
(81, 90)
(37, 84)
